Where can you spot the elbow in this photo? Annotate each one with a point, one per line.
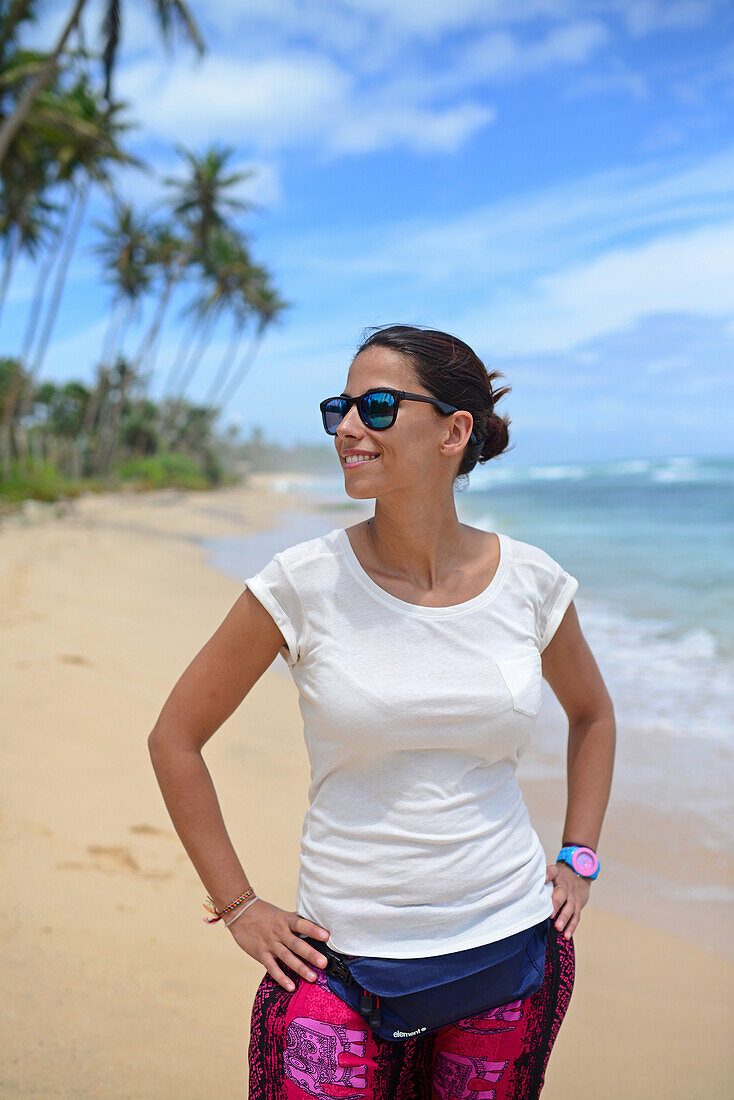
(166, 740)
(153, 743)
(157, 742)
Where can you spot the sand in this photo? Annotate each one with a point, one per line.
(113, 984)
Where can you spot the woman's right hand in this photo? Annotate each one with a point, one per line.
(270, 935)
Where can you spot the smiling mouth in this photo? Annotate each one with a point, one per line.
(361, 460)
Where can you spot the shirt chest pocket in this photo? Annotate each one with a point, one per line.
(523, 677)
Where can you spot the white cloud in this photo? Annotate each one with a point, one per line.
(418, 128)
(536, 232)
(685, 272)
(550, 270)
(503, 56)
(616, 79)
(350, 22)
(289, 100)
(643, 17)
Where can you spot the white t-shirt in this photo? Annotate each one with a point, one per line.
(417, 840)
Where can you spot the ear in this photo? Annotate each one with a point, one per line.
(457, 433)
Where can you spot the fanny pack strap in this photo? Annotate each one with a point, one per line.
(369, 1003)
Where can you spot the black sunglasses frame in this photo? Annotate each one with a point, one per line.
(399, 395)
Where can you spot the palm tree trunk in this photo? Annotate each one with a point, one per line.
(53, 305)
(117, 350)
(14, 122)
(247, 360)
(40, 289)
(195, 358)
(147, 344)
(184, 348)
(110, 337)
(10, 257)
(229, 355)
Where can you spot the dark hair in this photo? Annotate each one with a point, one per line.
(451, 371)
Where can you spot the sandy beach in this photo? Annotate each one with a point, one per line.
(114, 986)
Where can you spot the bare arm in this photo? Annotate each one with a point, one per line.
(574, 676)
(207, 693)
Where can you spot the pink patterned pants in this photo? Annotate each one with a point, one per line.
(309, 1043)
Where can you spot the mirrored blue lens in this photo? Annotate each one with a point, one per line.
(379, 409)
(334, 413)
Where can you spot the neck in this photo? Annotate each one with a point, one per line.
(422, 549)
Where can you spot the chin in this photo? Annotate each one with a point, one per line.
(357, 494)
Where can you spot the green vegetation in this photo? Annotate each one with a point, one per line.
(61, 137)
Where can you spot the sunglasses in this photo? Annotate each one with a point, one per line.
(377, 408)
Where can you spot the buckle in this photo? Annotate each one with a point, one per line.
(340, 970)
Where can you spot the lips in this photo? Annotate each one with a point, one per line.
(362, 460)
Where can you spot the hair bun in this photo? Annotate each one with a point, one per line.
(496, 437)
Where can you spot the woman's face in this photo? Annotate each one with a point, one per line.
(410, 451)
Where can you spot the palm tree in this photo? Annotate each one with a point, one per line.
(74, 136)
(25, 210)
(243, 308)
(202, 200)
(168, 13)
(124, 378)
(268, 307)
(227, 265)
(241, 311)
(25, 224)
(124, 252)
(167, 254)
(84, 159)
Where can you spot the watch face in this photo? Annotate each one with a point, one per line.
(584, 861)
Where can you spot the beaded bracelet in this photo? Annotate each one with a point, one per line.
(240, 912)
(212, 908)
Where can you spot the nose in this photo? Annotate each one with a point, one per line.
(346, 425)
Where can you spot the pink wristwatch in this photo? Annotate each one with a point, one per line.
(582, 860)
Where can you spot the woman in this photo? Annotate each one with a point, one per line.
(417, 644)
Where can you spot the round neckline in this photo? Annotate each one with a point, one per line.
(371, 586)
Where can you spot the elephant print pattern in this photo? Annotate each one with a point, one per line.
(309, 1043)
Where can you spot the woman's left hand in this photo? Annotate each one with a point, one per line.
(570, 895)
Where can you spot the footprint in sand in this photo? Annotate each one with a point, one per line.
(115, 859)
(151, 830)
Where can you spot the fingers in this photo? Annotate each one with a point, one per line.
(296, 963)
(281, 953)
(294, 952)
(300, 947)
(309, 928)
(277, 974)
(565, 918)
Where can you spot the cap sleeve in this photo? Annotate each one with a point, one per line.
(274, 587)
(554, 604)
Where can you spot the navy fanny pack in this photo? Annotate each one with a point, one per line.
(404, 998)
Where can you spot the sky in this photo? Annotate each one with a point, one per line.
(550, 180)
